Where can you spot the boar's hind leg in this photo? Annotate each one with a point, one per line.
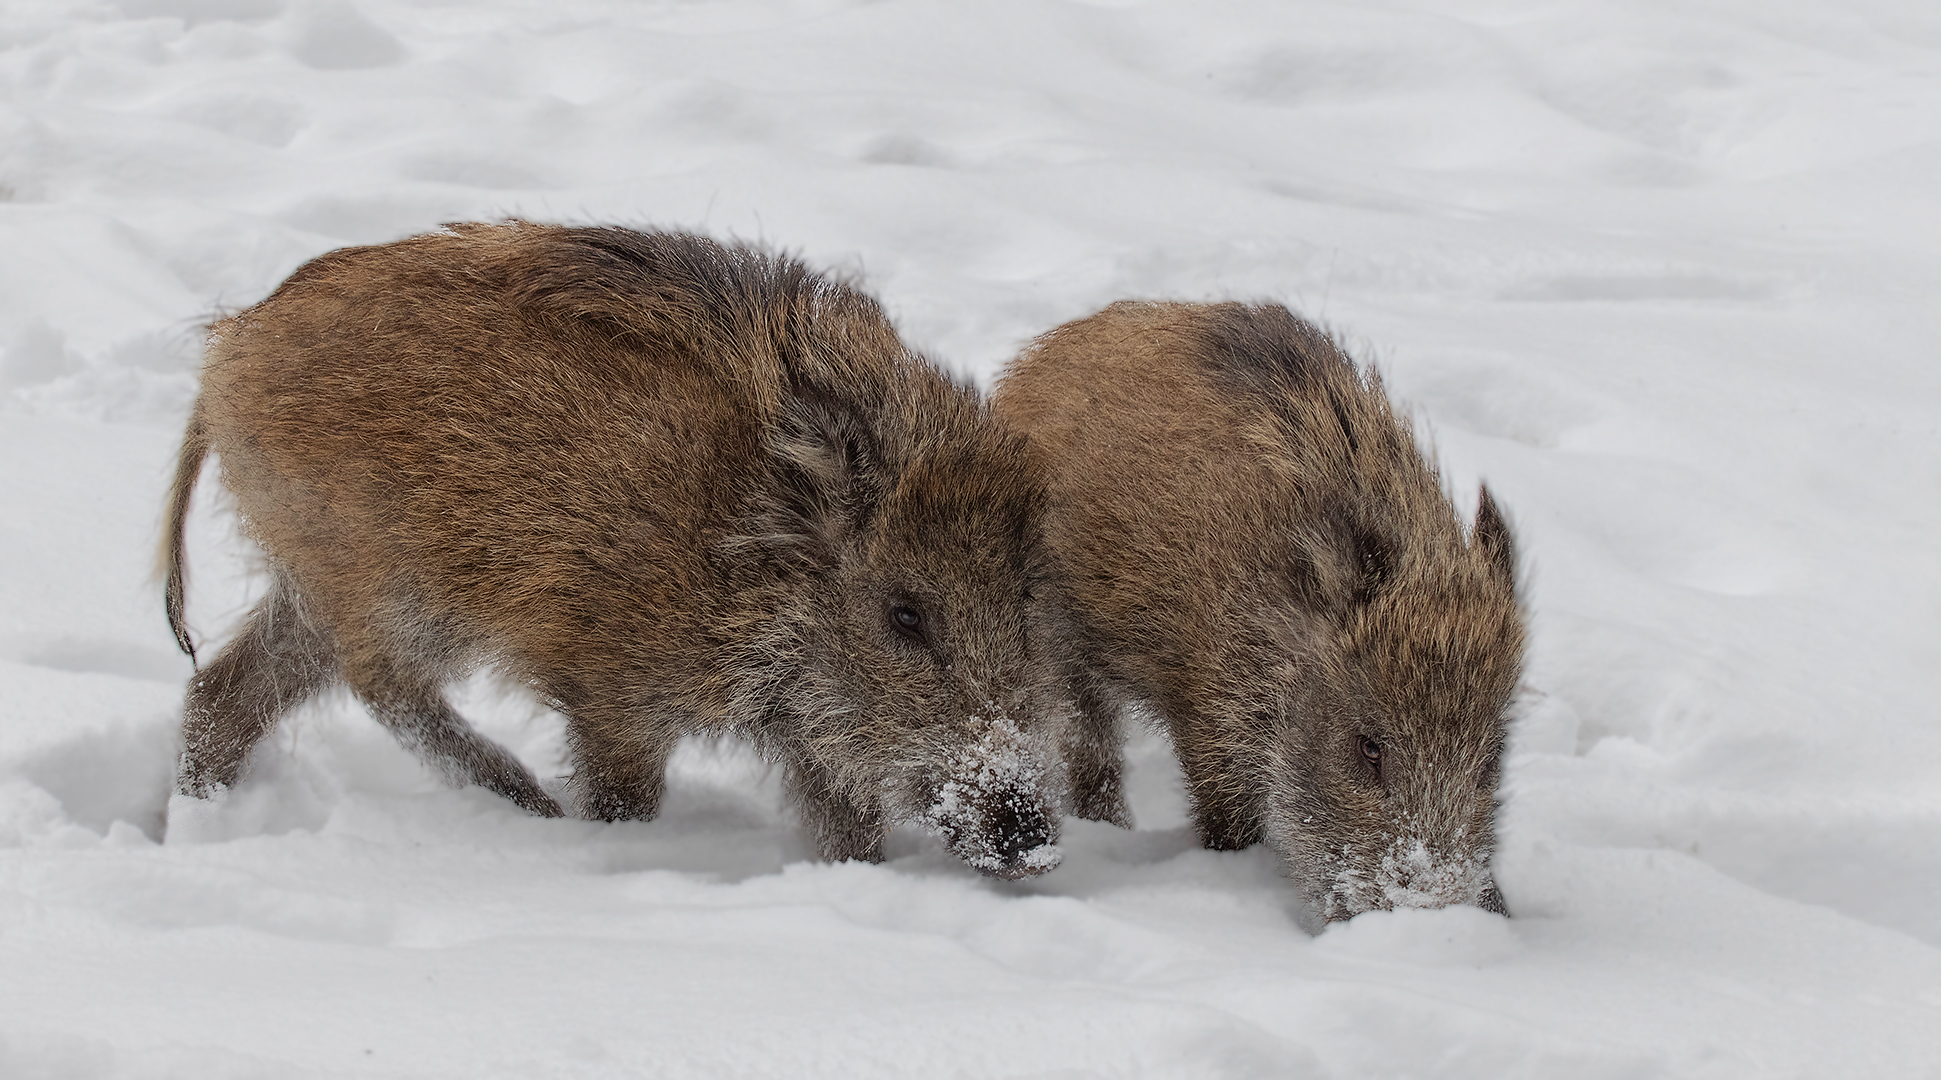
(1094, 751)
(279, 659)
(416, 713)
(839, 828)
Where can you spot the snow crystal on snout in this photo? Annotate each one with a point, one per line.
(1414, 876)
(1040, 859)
(1409, 874)
(992, 807)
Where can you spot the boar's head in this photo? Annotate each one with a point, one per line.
(913, 615)
(1385, 761)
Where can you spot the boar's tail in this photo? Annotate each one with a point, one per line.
(188, 466)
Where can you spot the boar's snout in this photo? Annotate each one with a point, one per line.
(1412, 874)
(1021, 838)
(1007, 834)
(996, 810)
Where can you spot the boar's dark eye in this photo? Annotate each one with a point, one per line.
(908, 621)
(1371, 752)
(1487, 775)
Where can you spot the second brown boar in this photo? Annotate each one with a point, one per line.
(1249, 542)
(674, 486)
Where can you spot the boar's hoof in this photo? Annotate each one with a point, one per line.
(1106, 805)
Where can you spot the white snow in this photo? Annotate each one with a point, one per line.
(1665, 274)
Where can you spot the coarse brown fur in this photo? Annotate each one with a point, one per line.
(1249, 541)
(673, 485)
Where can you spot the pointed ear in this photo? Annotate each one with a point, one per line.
(1493, 533)
(831, 475)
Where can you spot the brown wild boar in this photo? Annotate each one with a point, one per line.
(1249, 542)
(674, 486)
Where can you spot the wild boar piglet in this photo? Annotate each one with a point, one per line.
(1249, 542)
(674, 486)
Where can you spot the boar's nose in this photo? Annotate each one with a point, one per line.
(1020, 836)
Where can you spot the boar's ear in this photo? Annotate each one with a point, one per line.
(832, 474)
(1493, 533)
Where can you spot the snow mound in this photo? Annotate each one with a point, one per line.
(1449, 936)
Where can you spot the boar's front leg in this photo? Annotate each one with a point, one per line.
(415, 712)
(1094, 751)
(1221, 783)
(279, 659)
(839, 827)
(619, 762)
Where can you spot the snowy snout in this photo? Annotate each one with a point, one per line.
(1020, 838)
(995, 808)
(1411, 874)
(1008, 833)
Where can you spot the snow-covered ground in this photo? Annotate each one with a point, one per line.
(1664, 272)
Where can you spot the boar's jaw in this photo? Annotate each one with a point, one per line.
(994, 803)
